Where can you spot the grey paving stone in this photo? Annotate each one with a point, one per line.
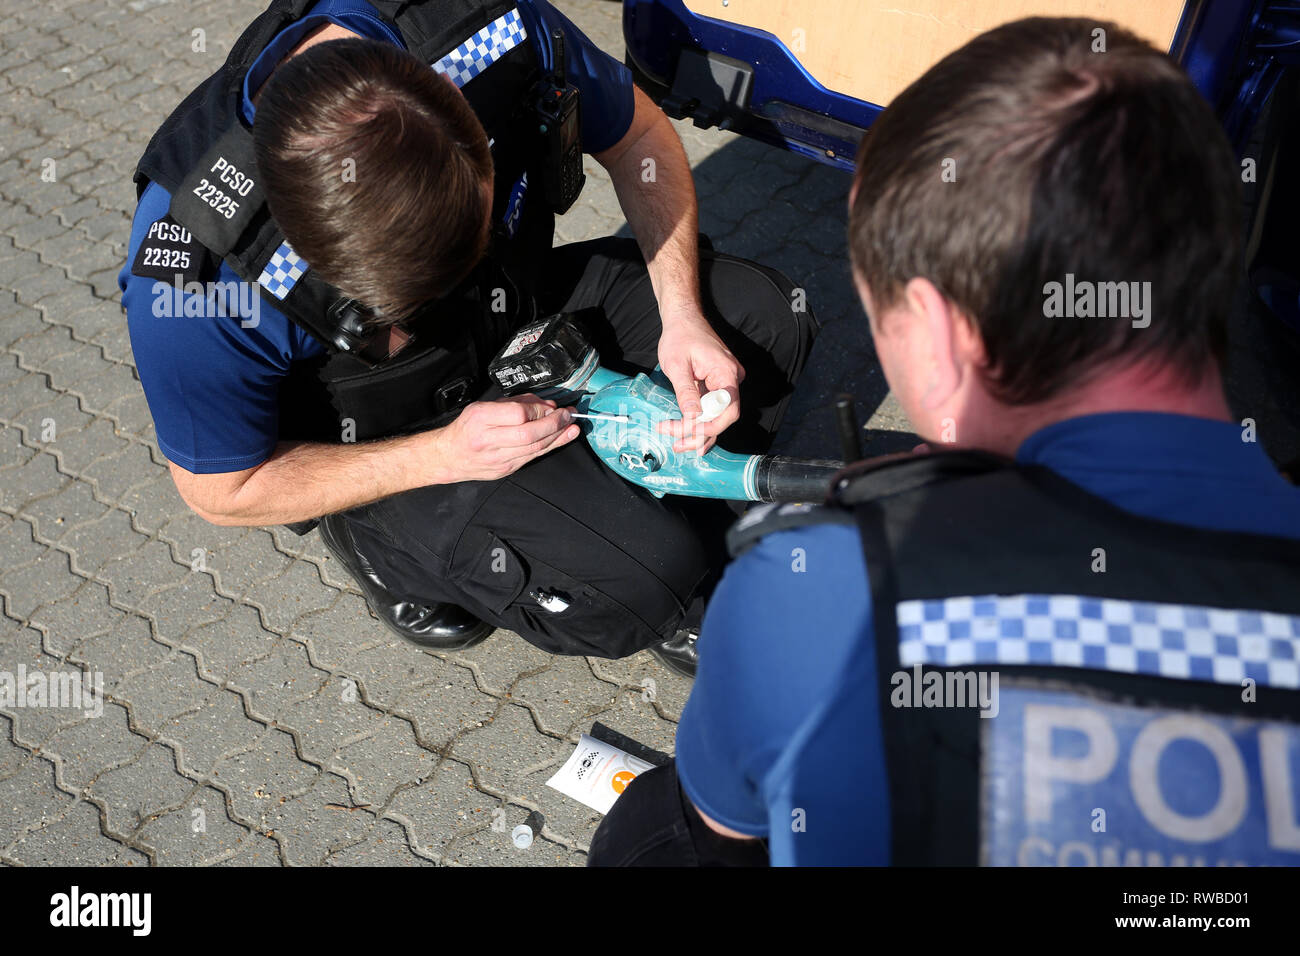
(162, 693)
(153, 503)
(36, 718)
(394, 675)
(123, 650)
(331, 720)
(261, 778)
(335, 632)
(230, 642)
(514, 764)
(565, 696)
(384, 845)
(76, 364)
(197, 833)
(101, 323)
(77, 448)
(12, 756)
(134, 792)
(113, 476)
(506, 752)
(644, 674)
(98, 543)
(9, 369)
(105, 385)
(21, 322)
(290, 595)
(130, 413)
(484, 846)
(19, 397)
(245, 563)
(67, 623)
(382, 762)
(141, 572)
(445, 806)
(321, 819)
(311, 547)
(89, 747)
(28, 797)
(190, 603)
(500, 660)
(45, 581)
(17, 547)
(59, 414)
(215, 728)
(187, 531)
(72, 839)
(252, 850)
(279, 678)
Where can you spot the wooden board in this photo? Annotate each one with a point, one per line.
(872, 49)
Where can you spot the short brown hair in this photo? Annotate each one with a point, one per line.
(1105, 165)
(412, 220)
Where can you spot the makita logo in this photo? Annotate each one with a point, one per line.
(132, 910)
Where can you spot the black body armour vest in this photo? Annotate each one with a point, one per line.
(1147, 695)
(203, 155)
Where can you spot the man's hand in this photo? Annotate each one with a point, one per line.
(489, 440)
(696, 361)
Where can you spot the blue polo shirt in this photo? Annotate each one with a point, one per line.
(783, 716)
(212, 382)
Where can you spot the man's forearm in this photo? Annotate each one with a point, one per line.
(307, 480)
(652, 179)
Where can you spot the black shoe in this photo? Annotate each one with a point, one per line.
(679, 653)
(441, 627)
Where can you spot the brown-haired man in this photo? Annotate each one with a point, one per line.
(397, 221)
(1070, 634)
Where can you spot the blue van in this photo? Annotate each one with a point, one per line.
(811, 76)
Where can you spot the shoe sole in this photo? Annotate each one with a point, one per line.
(476, 636)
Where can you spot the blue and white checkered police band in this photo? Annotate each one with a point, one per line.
(1133, 637)
(283, 271)
(483, 49)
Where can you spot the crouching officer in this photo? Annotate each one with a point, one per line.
(1072, 635)
(313, 298)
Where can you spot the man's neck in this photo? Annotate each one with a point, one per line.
(330, 31)
(1144, 387)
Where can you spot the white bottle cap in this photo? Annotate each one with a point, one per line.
(714, 404)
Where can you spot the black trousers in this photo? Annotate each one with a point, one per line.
(654, 824)
(564, 552)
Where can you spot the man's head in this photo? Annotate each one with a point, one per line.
(1017, 176)
(378, 172)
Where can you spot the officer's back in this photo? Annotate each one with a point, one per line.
(1071, 633)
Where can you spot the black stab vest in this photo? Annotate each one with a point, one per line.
(445, 367)
(963, 524)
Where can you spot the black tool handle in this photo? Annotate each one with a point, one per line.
(846, 420)
(794, 479)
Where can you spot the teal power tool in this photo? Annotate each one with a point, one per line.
(554, 359)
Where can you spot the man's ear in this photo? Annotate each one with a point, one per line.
(864, 295)
(939, 344)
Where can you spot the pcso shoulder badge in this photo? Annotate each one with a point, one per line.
(170, 253)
